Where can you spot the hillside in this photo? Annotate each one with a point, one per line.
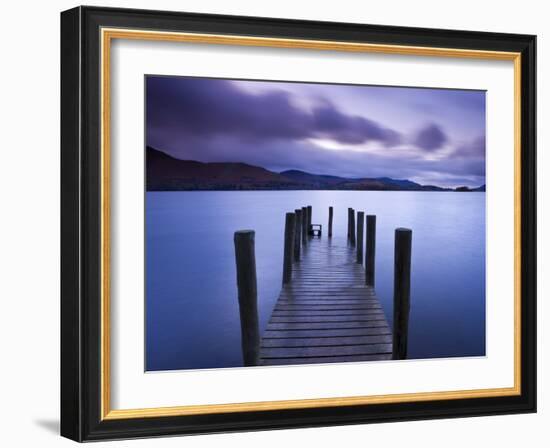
(167, 173)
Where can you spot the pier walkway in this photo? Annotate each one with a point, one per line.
(326, 312)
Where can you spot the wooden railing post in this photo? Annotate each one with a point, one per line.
(371, 250)
(297, 234)
(309, 213)
(304, 225)
(330, 213)
(360, 232)
(247, 293)
(401, 292)
(290, 228)
(352, 228)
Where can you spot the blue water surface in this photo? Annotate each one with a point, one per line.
(192, 315)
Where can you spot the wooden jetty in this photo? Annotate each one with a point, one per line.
(327, 310)
(326, 313)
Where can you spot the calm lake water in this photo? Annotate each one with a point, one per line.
(192, 314)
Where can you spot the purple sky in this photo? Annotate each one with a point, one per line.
(431, 136)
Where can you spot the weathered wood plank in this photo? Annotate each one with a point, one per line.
(316, 282)
(325, 360)
(337, 312)
(326, 342)
(285, 334)
(350, 276)
(323, 286)
(296, 298)
(336, 278)
(328, 292)
(329, 298)
(317, 286)
(330, 307)
(293, 300)
(327, 295)
(324, 318)
(300, 352)
(325, 325)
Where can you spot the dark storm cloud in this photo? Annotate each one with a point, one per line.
(331, 123)
(430, 138)
(475, 148)
(201, 107)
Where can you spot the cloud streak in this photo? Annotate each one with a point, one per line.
(200, 107)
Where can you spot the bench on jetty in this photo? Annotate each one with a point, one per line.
(327, 310)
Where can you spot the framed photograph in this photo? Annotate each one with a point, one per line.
(276, 224)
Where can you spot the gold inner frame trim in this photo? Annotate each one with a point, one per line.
(107, 35)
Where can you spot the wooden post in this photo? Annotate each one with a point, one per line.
(330, 213)
(247, 293)
(401, 292)
(371, 250)
(309, 212)
(304, 225)
(360, 232)
(290, 228)
(297, 234)
(349, 222)
(352, 228)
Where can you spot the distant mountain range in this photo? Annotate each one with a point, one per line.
(166, 173)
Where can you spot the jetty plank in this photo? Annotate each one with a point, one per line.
(342, 350)
(287, 334)
(325, 360)
(334, 306)
(326, 342)
(325, 325)
(325, 312)
(316, 319)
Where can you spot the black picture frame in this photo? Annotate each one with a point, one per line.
(81, 224)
